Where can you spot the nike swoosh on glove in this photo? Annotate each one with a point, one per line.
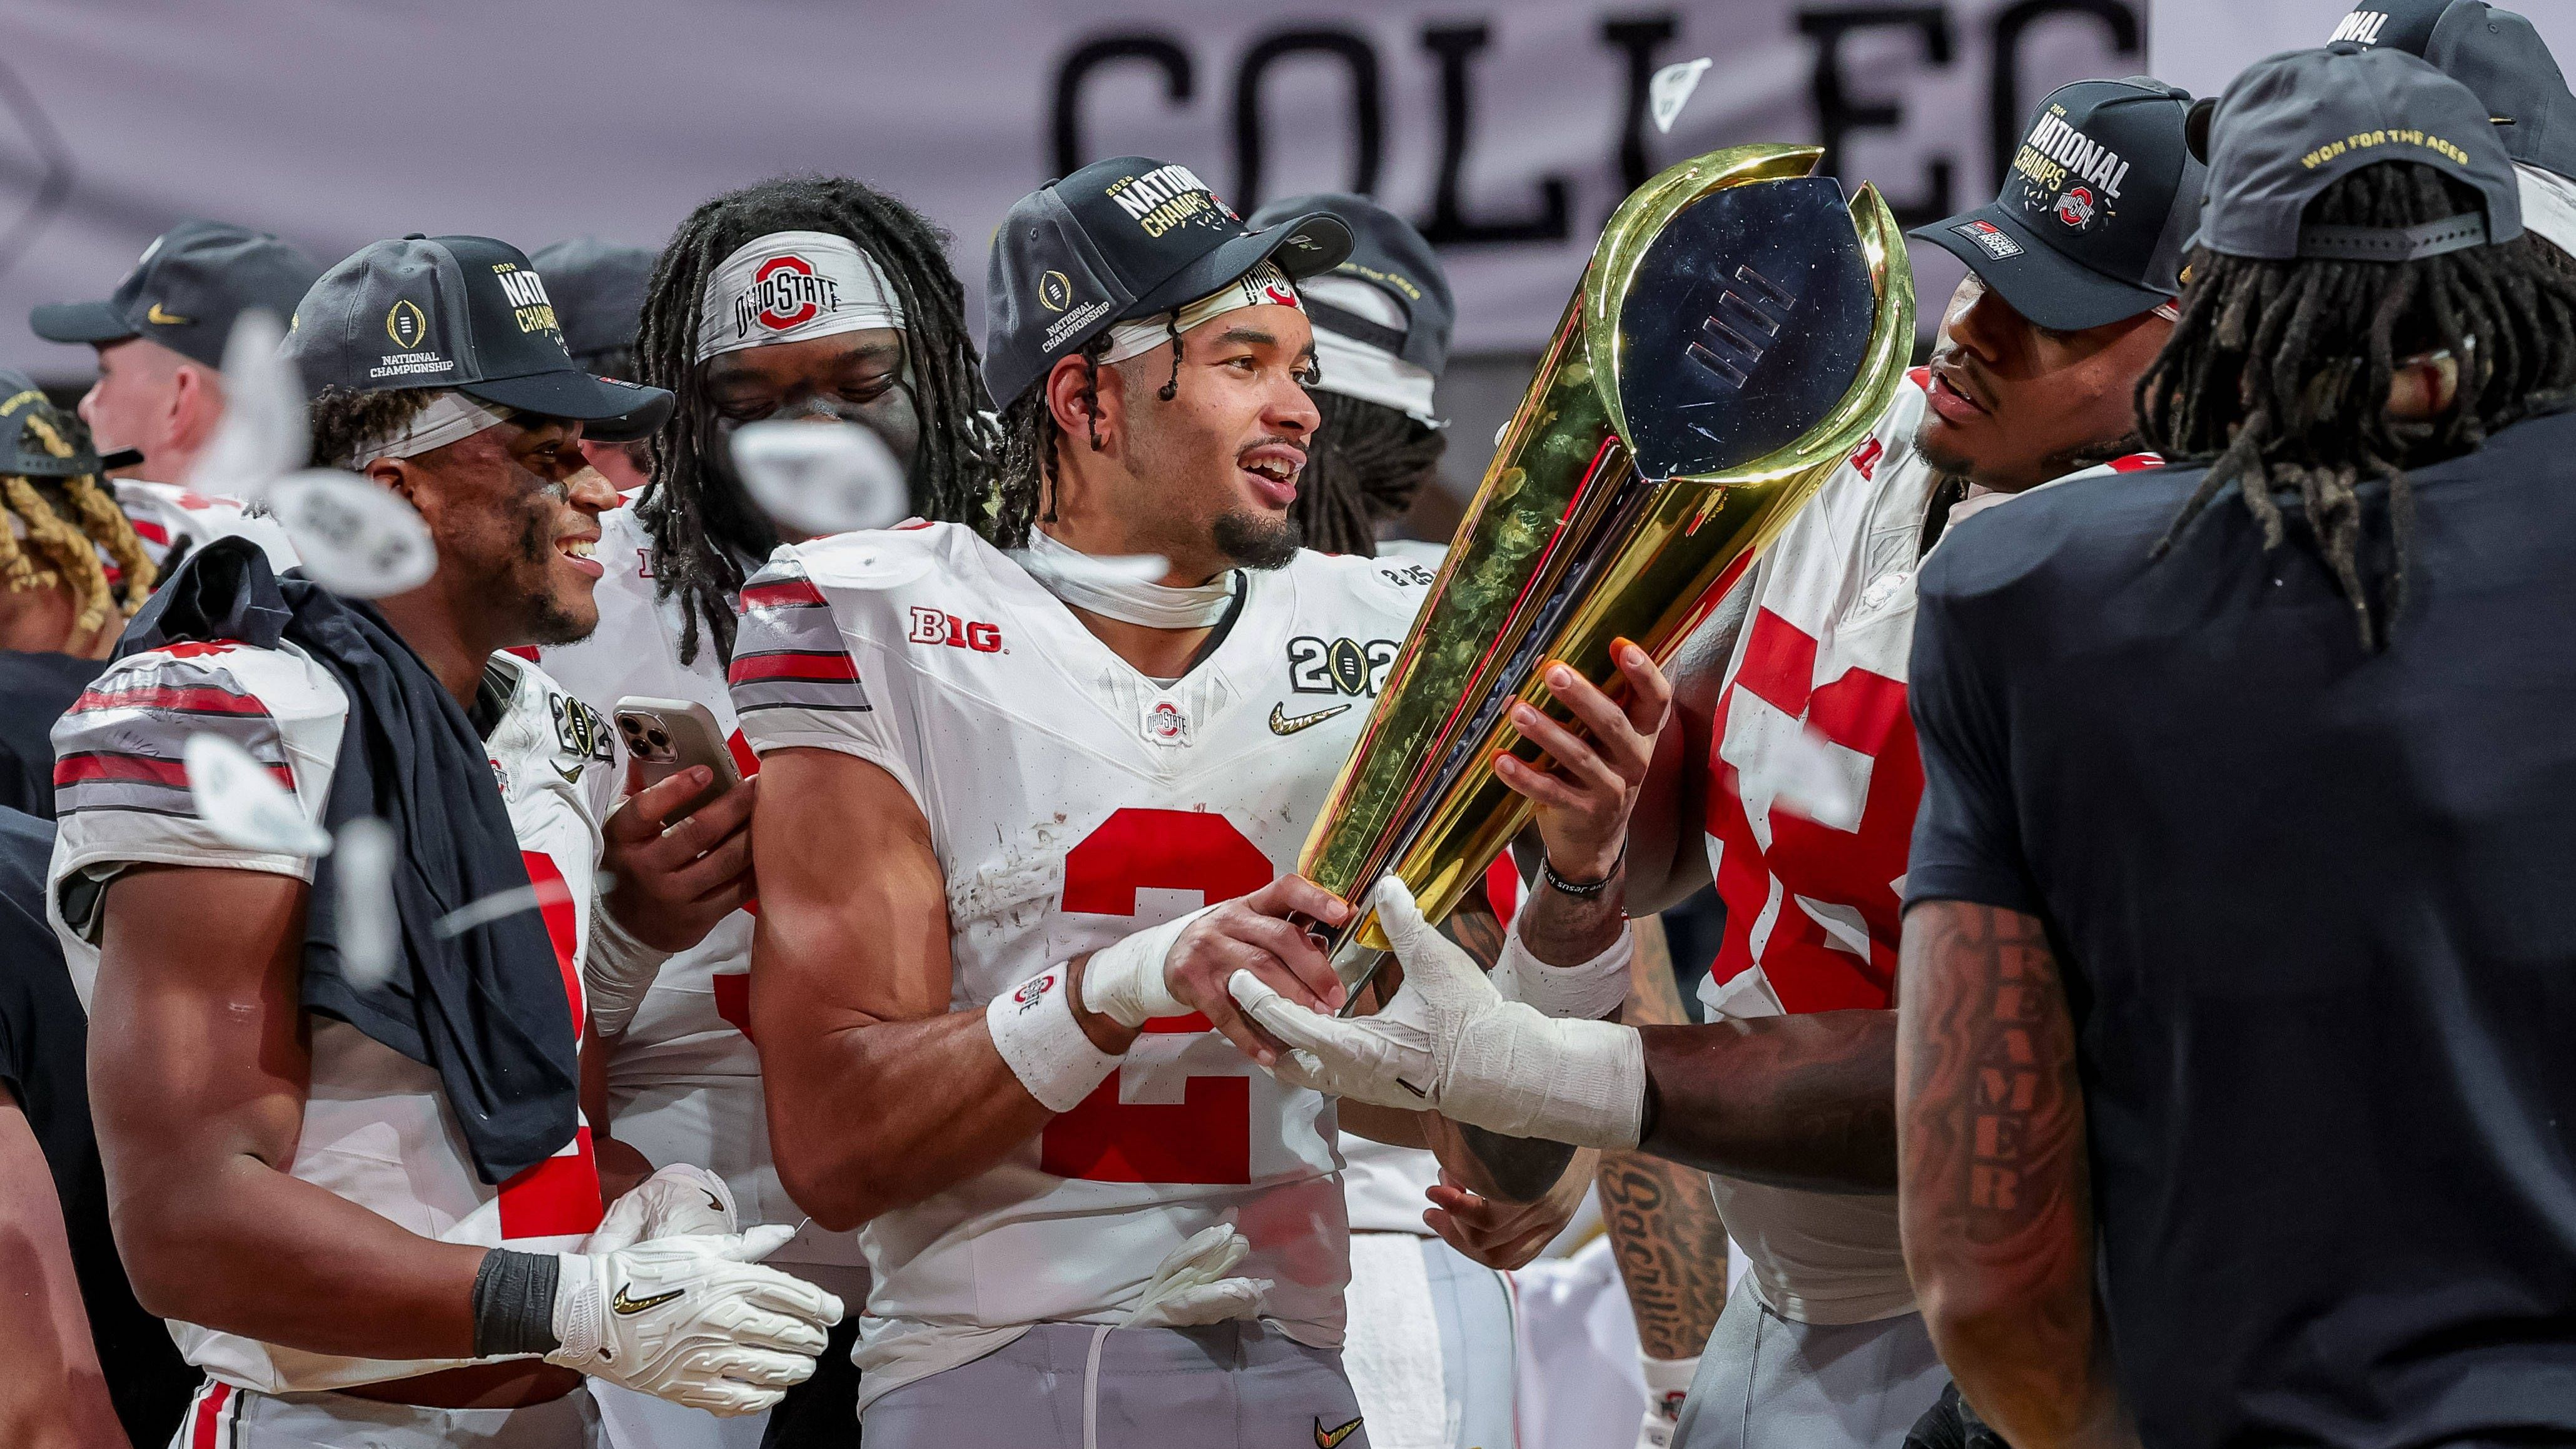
(694, 1320)
(1190, 1286)
(679, 1201)
(1451, 1043)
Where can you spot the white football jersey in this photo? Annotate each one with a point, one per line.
(168, 518)
(684, 1080)
(377, 1128)
(1812, 795)
(1073, 801)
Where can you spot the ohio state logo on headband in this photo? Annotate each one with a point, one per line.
(1279, 294)
(786, 292)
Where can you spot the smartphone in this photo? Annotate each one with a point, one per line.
(667, 736)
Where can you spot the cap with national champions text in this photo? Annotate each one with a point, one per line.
(2290, 126)
(2095, 211)
(461, 312)
(186, 291)
(1117, 240)
(2495, 53)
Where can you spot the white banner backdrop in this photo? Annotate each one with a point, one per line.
(2202, 44)
(1507, 128)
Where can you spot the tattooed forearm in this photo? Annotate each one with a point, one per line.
(1671, 1249)
(1993, 1184)
(1661, 1218)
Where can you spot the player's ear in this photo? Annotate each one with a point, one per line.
(1085, 398)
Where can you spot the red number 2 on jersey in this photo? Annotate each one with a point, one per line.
(1206, 1137)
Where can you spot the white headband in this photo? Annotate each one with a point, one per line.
(444, 419)
(1364, 370)
(790, 286)
(1264, 285)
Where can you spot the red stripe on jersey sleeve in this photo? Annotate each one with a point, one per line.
(112, 765)
(783, 594)
(791, 665)
(2137, 463)
(194, 699)
(556, 1197)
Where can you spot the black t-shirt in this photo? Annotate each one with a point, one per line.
(2315, 909)
(43, 1045)
(35, 689)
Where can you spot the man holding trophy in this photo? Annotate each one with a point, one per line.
(994, 1029)
(1792, 781)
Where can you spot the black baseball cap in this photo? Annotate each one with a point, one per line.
(22, 453)
(2495, 53)
(190, 285)
(462, 312)
(2292, 125)
(1123, 238)
(1389, 254)
(598, 288)
(2095, 212)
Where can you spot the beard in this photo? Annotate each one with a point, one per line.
(1253, 541)
(546, 621)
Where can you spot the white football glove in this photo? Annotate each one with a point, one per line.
(694, 1320)
(1189, 1287)
(1449, 1042)
(679, 1201)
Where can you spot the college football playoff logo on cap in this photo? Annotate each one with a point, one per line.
(407, 326)
(1055, 291)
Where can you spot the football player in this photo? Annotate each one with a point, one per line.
(879, 340)
(1059, 795)
(159, 396)
(358, 1188)
(1793, 781)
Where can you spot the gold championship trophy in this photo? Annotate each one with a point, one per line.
(1736, 334)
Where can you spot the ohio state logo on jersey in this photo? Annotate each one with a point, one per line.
(784, 293)
(932, 626)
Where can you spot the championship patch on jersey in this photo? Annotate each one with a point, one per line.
(788, 653)
(122, 745)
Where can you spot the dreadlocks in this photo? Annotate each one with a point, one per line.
(1024, 492)
(67, 521)
(702, 524)
(1366, 463)
(2280, 370)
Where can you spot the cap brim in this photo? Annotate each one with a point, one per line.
(610, 411)
(2041, 283)
(79, 322)
(1303, 246)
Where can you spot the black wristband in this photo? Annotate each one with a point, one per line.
(514, 1303)
(1582, 890)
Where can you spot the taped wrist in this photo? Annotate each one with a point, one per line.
(1045, 1047)
(616, 971)
(1582, 1083)
(514, 1304)
(1124, 980)
(1587, 991)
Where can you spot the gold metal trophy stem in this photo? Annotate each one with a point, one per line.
(1565, 549)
